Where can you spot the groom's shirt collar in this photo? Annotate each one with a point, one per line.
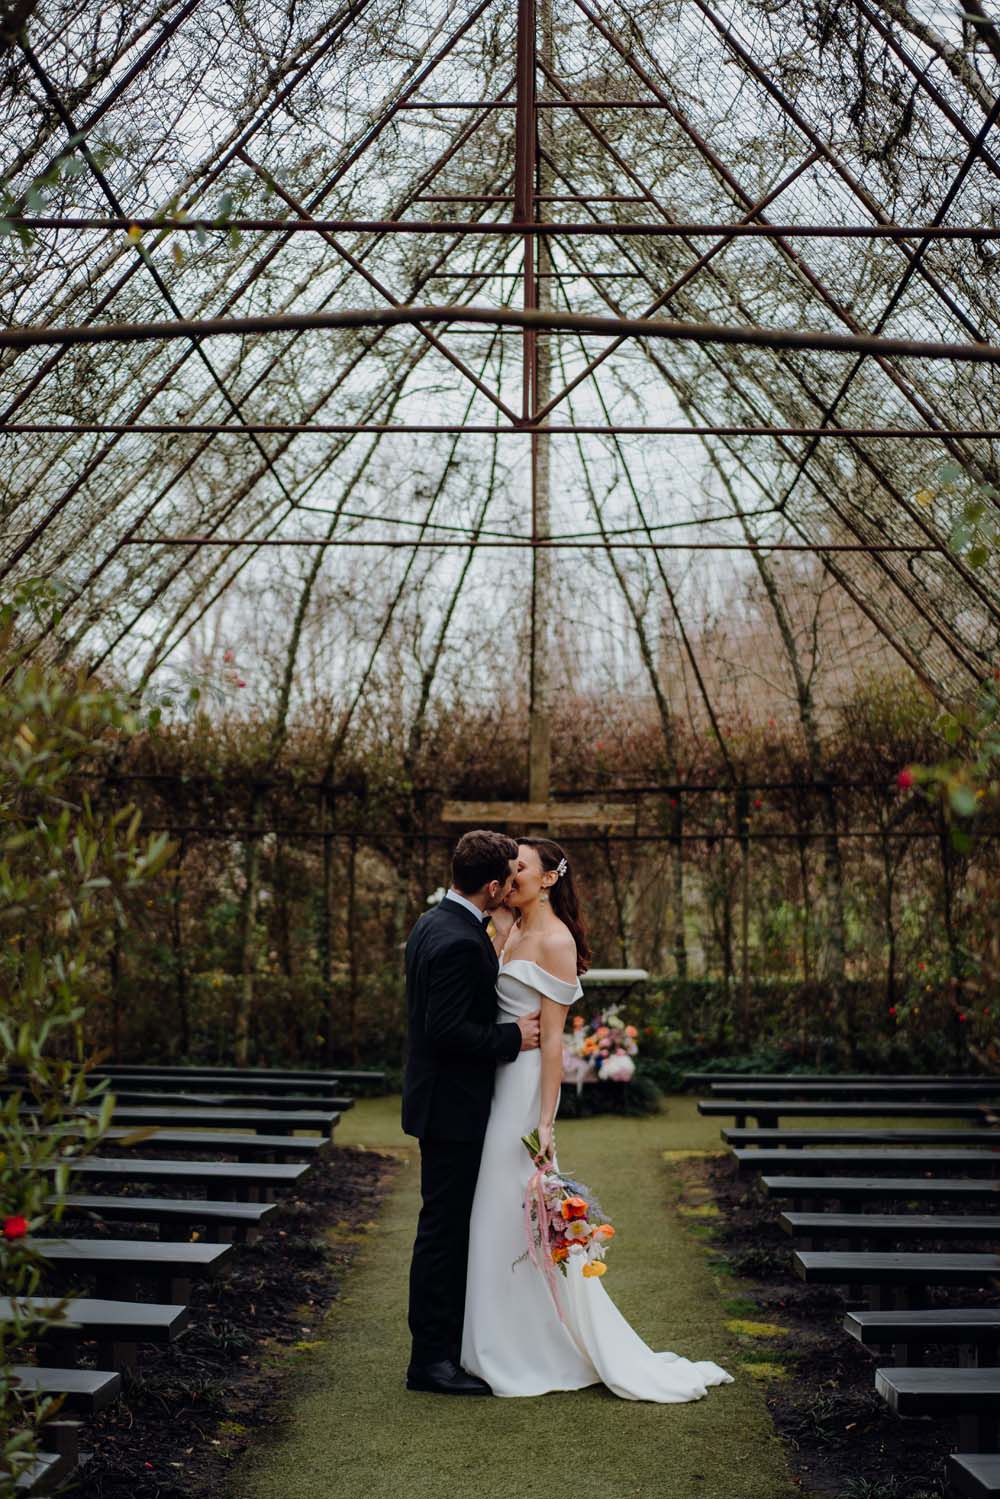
(461, 901)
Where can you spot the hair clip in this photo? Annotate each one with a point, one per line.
(561, 868)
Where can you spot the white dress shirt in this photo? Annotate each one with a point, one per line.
(481, 916)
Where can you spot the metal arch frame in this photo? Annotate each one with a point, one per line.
(528, 225)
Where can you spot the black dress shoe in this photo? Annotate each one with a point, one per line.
(445, 1378)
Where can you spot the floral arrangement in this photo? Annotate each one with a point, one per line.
(563, 1218)
(604, 1048)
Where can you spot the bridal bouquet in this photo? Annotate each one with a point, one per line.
(605, 1046)
(563, 1218)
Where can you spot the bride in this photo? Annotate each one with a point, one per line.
(513, 1335)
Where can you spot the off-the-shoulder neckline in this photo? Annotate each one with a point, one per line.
(532, 964)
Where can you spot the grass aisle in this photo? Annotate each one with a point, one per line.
(353, 1431)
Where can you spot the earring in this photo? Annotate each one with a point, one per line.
(544, 896)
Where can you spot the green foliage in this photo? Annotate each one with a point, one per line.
(69, 875)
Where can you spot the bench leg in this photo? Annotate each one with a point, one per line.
(977, 1432)
(178, 1289)
(63, 1438)
(986, 1356)
(908, 1355)
(114, 1355)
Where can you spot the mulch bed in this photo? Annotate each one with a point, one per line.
(188, 1411)
(842, 1439)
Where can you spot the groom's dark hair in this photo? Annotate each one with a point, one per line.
(480, 857)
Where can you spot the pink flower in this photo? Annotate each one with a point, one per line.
(240, 682)
(905, 779)
(227, 656)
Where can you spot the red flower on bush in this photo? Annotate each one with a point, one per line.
(892, 1009)
(15, 1227)
(961, 1017)
(905, 779)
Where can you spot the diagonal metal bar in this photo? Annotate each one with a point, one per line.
(846, 176)
(124, 83)
(724, 369)
(345, 164)
(911, 267)
(664, 297)
(97, 75)
(930, 89)
(343, 21)
(383, 291)
(728, 178)
(57, 104)
(322, 400)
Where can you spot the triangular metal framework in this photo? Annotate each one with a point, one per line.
(716, 164)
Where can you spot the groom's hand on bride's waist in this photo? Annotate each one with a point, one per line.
(529, 1026)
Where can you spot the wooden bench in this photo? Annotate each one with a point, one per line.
(796, 1139)
(868, 1092)
(231, 1084)
(804, 1189)
(976, 1330)
(117, 1327)
(974, 1475)
(216, 1142)
(46, 1472)
(270, 1107)
(221, 1222)
(926, 1158)
(237, 1177)
(970, 1396)
(119, 1265)
(767, 1112)
(858, 1227)
(737, 1079)
(85, 1391)
(891, 1278)
(267, 1120)
(352, 1075)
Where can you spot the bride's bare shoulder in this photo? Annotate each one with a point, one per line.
(559, 952)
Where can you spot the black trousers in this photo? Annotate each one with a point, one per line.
(448, 1172)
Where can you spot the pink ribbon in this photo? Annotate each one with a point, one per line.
(535, 1192)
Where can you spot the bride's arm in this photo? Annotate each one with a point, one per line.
(559, 959)
(550, 1045)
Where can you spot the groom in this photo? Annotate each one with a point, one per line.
(454, 1047)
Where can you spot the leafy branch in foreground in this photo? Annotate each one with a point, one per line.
(68, 875)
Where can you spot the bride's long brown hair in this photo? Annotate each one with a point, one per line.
(563, 896)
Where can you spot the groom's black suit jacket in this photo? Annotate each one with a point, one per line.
(454, 1042)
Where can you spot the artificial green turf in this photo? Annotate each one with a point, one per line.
(353, 1432)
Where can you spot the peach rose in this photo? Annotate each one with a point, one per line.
(604, 1231)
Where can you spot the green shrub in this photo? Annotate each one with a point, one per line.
(68, 876)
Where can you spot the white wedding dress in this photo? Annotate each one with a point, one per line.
(513, 1336)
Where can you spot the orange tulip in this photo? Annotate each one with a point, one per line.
(574, 1207)
(595, 1267)
(560, 1254)
(630, 1030)
(604, 1231)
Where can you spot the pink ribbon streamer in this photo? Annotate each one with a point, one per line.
(535, 1192)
